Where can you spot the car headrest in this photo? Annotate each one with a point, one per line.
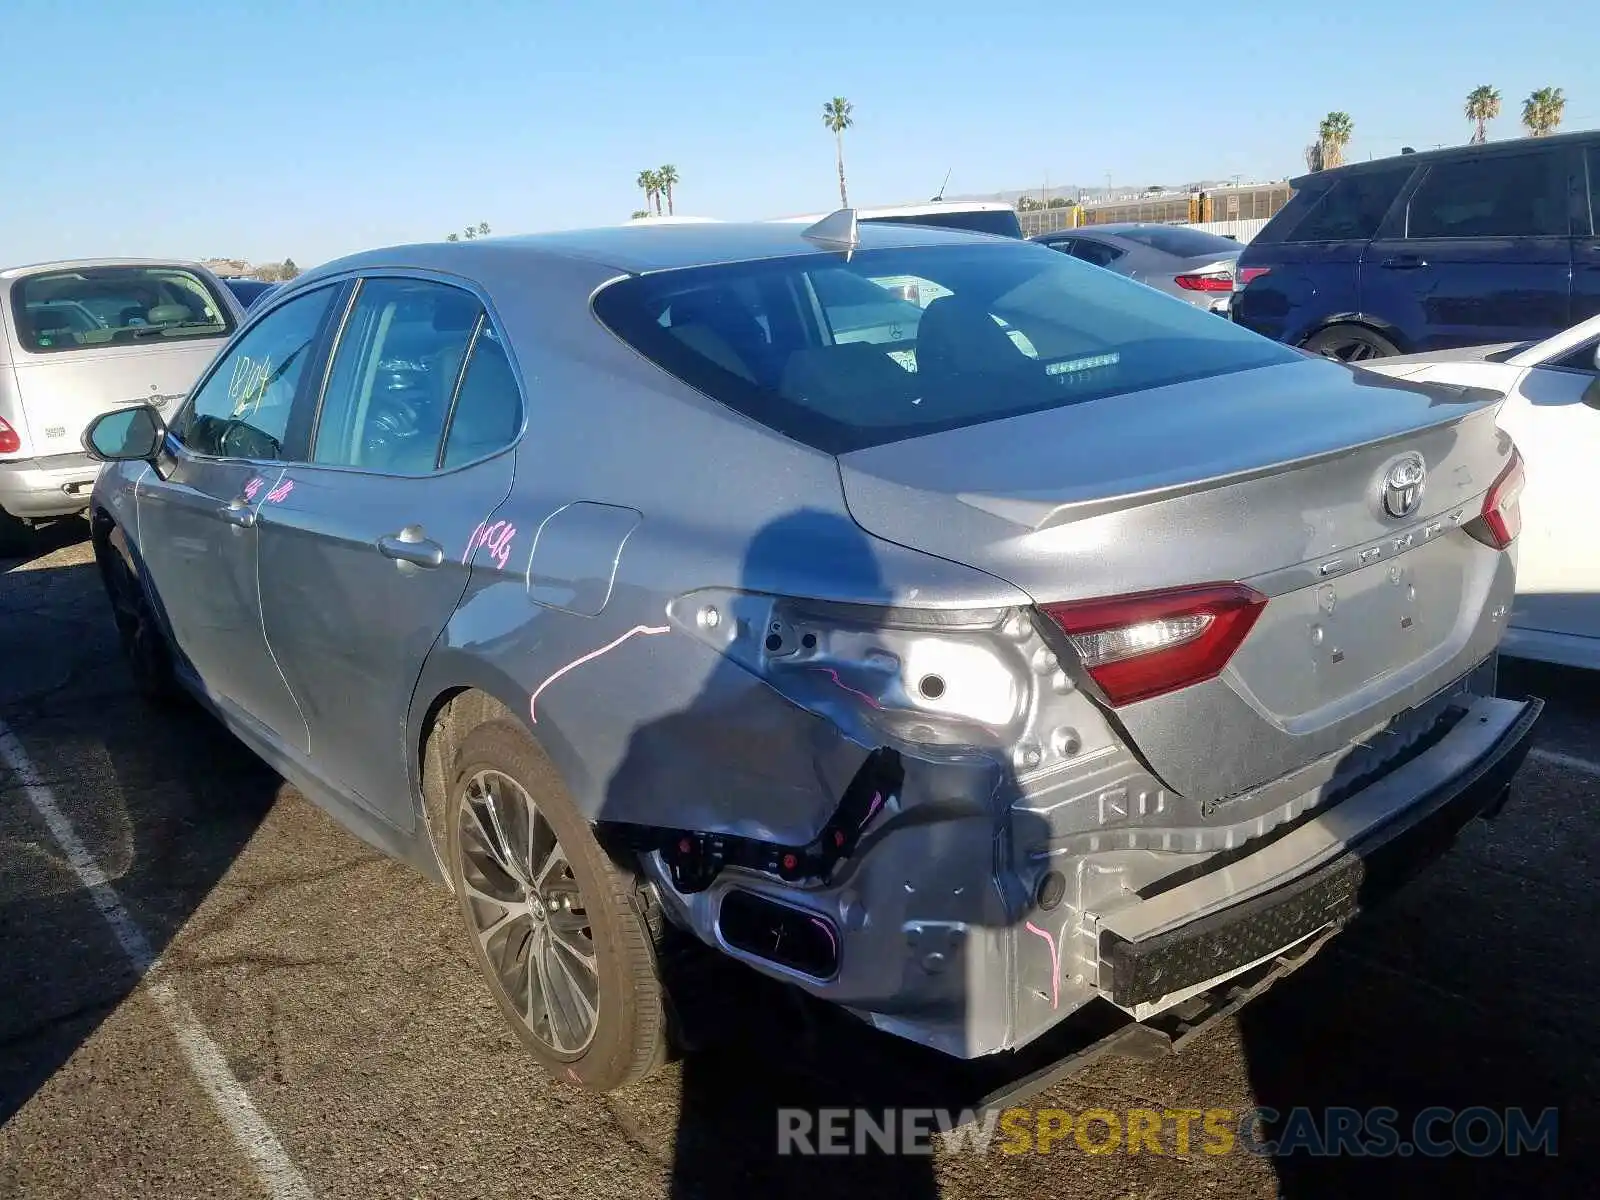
(168, 314)
(958, 336)
(46, 320)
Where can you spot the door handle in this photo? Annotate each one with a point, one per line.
(1404, 262)
(238, 512)
(411, 546)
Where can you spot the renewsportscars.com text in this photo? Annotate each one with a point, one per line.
(1329, 1132)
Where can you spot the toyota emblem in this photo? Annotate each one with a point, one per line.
(1402, 486)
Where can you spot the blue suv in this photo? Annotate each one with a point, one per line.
(1460, 247)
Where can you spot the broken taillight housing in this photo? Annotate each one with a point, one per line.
(1145, 645)
(1501, 519)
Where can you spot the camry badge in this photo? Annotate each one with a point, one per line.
(1402, 486)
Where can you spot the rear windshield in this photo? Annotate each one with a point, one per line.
(1002, 221)
(86, 307)
(890, 344)
(1183, 243)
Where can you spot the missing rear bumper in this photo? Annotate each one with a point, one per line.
(1421, 819)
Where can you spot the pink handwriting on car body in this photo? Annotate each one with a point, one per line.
(495, 538)
(254, 486)
(280, 492)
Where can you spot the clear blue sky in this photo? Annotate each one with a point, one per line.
(311, 128)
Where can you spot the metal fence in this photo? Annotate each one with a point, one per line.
(1239, 231)
(1048, 220)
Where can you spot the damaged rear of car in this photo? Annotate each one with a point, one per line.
(1203, 655)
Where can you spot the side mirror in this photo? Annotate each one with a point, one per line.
(125, 435)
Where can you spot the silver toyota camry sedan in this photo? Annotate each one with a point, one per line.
(946, 628)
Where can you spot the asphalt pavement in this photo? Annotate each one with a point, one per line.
(207, 988)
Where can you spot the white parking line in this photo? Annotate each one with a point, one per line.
(233, 1104)
(1570, 762)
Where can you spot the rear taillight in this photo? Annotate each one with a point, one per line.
(1145, 645)
(1204, 283)
(1243, 276)
(1501, 519)
(10, 443)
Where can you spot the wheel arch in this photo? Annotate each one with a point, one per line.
(1384, 329)
(455, 694)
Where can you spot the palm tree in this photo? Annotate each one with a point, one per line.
(1334, 133)
(836, 116)
(650, 185)
(1483, 106)
(1541, 112)
(1314, 154)
(666, 179)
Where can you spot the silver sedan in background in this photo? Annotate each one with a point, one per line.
(1190, 264)
(1038, 647)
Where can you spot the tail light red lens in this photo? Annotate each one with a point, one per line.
(1243, 275)
(1204, 283)
(10, 443)
(1501, 520)
(1141, 646)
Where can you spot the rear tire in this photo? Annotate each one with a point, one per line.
(553, 924)
(1350, 343)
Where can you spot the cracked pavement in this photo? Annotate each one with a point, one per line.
(337, 988)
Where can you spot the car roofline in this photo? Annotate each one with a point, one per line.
(67, 264)
(1577, 137)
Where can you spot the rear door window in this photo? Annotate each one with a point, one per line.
(488, 409)
(83, 308)
(1502, 195)
(394, 377)
(1352, 208)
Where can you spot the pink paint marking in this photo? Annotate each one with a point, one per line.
(832, 941)
(496, 538)
(647, 630)
(1055, 963)
(280, 492)
(254, 486)
(472, 542)
(834, 675)
(877, 803)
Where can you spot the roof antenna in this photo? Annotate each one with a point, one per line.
(836, 231)
(939, 199)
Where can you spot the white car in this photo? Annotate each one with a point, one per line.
(1552, 412)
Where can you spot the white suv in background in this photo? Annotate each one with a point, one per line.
(974, 216)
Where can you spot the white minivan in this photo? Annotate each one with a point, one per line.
(77, 339)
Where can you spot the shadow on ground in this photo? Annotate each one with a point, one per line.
(163, 801)
(1464, 1002)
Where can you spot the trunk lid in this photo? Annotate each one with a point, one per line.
(1271, 477)
(61, 393)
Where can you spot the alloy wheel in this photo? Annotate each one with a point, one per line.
(528, 913)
